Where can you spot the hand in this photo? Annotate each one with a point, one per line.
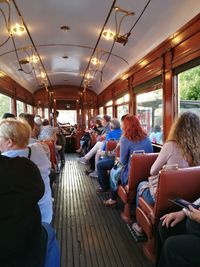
(172, 218)
(194, 214)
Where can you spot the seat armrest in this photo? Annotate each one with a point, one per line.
(148, 209)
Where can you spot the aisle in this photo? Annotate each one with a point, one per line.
(89, 233)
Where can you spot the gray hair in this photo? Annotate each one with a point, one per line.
(115, 124)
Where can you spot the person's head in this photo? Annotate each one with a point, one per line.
(186, 133)
(29, 118)
(157, 128)
(106, 119)
(8, 115)
(122, 119)
(14, 134)
(45, 122)
(132, 129)
(115, 124)
(38, 120)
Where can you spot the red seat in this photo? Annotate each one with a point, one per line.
(183, 183)
(51, 145)
(140, 166)
(111, 145)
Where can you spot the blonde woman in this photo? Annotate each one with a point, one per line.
(182, 148)
(13, 142)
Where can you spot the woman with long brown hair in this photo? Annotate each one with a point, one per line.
(134, 138)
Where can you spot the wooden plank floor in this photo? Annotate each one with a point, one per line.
(89, 233)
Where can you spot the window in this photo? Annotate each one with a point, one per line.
(150, 114)
(20, 107)
(39, 112)
(109, 108)
(189, 90)
(122, 106)
(101, 111)
(5, 106)
(67, 116)
(46, 113)
(109, 111)
(123, 99)
(122, 110)
(29, 109)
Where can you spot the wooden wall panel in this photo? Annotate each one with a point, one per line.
(149, 72)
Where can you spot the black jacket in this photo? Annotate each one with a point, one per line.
(21, 187)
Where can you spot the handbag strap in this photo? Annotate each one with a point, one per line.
(29, 152)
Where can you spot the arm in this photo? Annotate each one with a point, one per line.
(162, 159)
(124, 151)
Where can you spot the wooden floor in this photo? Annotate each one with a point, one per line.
(89, 233)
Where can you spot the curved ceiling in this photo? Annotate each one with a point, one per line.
(86, 18)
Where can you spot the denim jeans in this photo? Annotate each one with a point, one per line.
(146, 195)
(52, 258)
(103, 165)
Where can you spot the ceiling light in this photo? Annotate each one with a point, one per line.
(94, 61)
(34, 59)
(108, 34)
(65, 28)
(42, 74)
(17, 29)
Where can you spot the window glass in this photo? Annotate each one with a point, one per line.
(109, 111)
(29, 109)
(46, 113)
(40, 112)
(67, 116)
(150, 114)
(109, 103)
(5, 106)
(20, 107)
(101, 110)
(189, 90)
(123, 99)
(122, 110)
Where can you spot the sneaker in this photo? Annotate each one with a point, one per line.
(109, 202)
(94, 174)
(137, 229)
(83, 160)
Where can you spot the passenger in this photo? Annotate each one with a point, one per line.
(24, 241)
(114, 134)
(86, 139)
(47, 131)
(8, 115)
(106, 128)
(134, 138)
(180, 234)
(182, 148)
(156, 135)
(104, 164)
(61, 140)
(15, 137)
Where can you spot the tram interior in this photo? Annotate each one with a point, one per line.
(73, 62)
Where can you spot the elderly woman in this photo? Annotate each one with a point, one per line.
(14, 140)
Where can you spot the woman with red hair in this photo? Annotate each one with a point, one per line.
(134, 138)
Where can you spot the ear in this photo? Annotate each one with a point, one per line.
(9, 143)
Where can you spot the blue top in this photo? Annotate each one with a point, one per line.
(127, 147)
(115, 134)
(39, 157)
